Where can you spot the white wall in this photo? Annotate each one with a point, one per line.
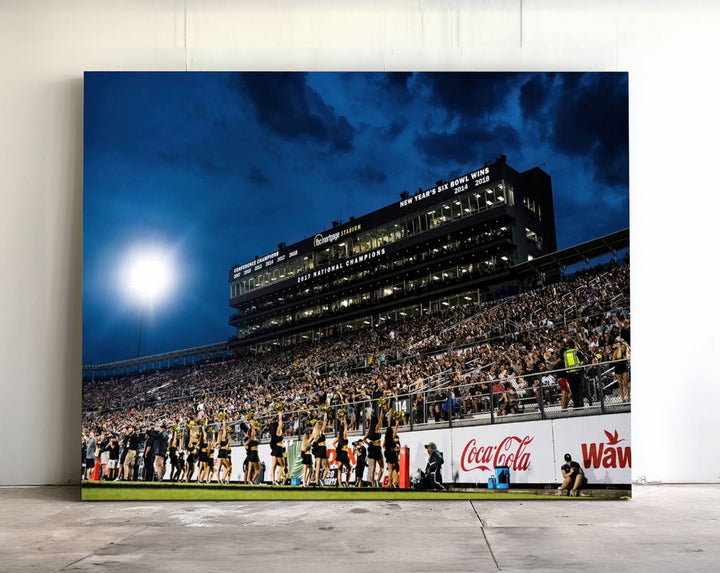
(671, 50)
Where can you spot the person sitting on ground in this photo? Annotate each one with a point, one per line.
(573, 477)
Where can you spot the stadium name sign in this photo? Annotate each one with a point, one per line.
(457, 185)
(331, 238)
(342, 265)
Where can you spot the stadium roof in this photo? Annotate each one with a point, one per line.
(200, 351)
(582, 253)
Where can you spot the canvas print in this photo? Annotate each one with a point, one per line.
(356, 286)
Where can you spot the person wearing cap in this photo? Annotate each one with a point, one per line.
(432, 470)
(573, 477)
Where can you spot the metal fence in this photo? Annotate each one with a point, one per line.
(594, 389)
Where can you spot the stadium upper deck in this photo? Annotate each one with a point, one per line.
(452, 244)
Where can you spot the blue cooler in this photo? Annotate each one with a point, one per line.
(491, 482)
(295, 481)
(502, 477)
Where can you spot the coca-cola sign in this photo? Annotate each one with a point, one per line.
(511, 452)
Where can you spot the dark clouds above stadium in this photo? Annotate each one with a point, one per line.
(220, 167)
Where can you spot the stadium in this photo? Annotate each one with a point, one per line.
(446, 316)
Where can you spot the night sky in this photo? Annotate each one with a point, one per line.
(216, 168)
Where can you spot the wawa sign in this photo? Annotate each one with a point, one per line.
(600, 444)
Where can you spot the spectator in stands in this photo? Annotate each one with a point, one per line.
(621, 353)
(573, 360)
(504, 336)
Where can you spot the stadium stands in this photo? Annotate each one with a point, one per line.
(446, 363)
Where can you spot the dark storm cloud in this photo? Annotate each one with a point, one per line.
(256, 176)
(584, 116)
(535, 95)
(367, 172)
(191, 157)
(468, 143)
(591, 121)
(391, 132)
(395, 84)
(469, 94)
(292, 109)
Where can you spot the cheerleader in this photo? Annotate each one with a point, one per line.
(374, 450)
(391, 452)
(192, 455)
(253, 458)
(181, 465)
(173, 454)
(307, 462)
(203, 467)
(340, 443)
(320, 450)
(212, 443)
(224, 461)
(276, 451)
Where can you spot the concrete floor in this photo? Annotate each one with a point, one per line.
(663, 528)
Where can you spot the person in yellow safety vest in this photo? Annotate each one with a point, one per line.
(573, 359)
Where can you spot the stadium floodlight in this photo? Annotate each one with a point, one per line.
(147, 276)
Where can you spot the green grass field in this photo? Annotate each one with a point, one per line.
(177, 492)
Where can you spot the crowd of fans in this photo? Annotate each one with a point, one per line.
(499, 356)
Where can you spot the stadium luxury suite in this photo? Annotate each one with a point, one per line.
(447, 245)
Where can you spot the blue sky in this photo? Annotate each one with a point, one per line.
(216, 168)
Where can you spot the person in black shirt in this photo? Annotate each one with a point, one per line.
(113, 459)
(203, 447)
(342, 457)
(621, 354)
(573, 477)
(320, 450)
(253, 458)
(224, 461)
(391, 454)
(147, 456)
(158, 451)
(360, 452)
(123, 455)
(130, 443)
(433, 470)
(374, 451)
(191, 458)
(212, 443)
(276, 451)
(307, 462)
(173, 456)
